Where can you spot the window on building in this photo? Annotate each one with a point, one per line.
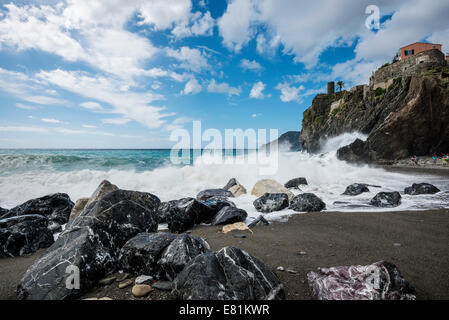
(409, 52)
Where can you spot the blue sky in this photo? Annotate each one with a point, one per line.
(115, 74)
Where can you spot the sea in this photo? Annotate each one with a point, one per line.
(30, 173)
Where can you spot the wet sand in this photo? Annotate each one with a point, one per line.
(417, 242)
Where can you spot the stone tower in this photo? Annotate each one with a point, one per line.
(331, 87)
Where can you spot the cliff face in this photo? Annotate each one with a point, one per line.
(409, 117)
(288, 141)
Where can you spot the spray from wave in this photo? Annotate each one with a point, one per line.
(327, 177)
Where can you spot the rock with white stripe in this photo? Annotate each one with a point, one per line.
(228, 274)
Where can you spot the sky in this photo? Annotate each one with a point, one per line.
(125, 74)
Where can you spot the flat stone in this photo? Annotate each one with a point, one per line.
(125, 283)
(301, 253)
(107, 281)
(140, 290)
(280, 268)
(240, 236)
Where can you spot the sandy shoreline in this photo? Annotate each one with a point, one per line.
(417, 242)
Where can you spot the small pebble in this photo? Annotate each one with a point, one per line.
(301, 253)
(291, 271)
(239, 236)
(125, 283)
(280, 268)
(397, 244)
(107, 281)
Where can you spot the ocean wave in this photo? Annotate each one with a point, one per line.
(327, 177)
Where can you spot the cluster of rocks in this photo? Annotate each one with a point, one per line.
(275, 197)
(31, 226)
(390, 199)
(116, 230)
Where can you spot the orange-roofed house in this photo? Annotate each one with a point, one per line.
(418, 47)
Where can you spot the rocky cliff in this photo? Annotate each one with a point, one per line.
(409, 117)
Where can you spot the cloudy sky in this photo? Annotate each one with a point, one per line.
(124, 74)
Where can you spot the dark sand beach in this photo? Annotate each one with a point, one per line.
(417, 242)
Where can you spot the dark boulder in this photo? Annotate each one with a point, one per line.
(218, 203)
(55, 207)
(164, 210)
(229, 274)
(421, 188)
(307, 202)
(140, 254)
(355, 189)
(232, 182)
(24, 234)
(270, 202)
(378, 281)
(3, 212)
(386, 199)
(229, 215)
(178, 254)
(295, 183)
(187, 213)
(90, 246)
(160, 255)
(206, 194)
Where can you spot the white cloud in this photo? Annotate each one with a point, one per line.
(257, 91)
(94, 106)
(192, 87)
(163, 14)
(289, 93)
(117, 121)
(191, 59)
(43, 100)
(198, 24)
(51, 120)
(251, 65)
(223, 88)
(23, 129)
(130, 105)
(88, 126)
(25, 107)
(235, 24)
(255, 115)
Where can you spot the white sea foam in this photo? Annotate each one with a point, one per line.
(327, 177)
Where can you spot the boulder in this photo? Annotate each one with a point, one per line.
(270, 186)
(164, 210)
(79, 206)
(88, 249)
(270, 202)
(103, 189)
(421, 188)
(55, 207)
(237, 190)
(178, 254)
(160, 255)
(187, 213)
(232, 182)
(140, 254)
(217, 203)
(377, 281)
(229, 215)
(141, 290)
(386, 199)
(307, 202)
(229, 274)
(3, 212)
(24, 234)
(209, 193)
(355, 189)
(295, 183)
